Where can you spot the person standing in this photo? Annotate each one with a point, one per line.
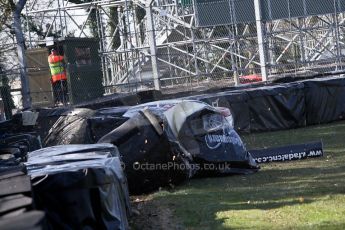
(58, 78)
(5, 93)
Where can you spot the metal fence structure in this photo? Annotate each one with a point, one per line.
(177, 45)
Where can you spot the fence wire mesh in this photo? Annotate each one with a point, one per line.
(122, 46)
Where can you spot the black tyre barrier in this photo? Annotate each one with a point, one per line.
(17, 207)
(80, 186)
(283, 106)
(260, 108)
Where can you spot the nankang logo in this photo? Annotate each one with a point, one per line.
(213, 141)
(218, 139)
(225, 135)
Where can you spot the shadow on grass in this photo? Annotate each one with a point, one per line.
(331, 135)
(198, 202)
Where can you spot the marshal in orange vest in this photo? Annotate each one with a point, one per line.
(56, 66)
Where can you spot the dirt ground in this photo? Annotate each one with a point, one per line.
(150, 214)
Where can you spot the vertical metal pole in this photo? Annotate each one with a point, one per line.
(238, 47)
(272, 56)
(301, 39)
(124, 45)
(168, 52)
(135, 24)
(100, 35)
(195, 55)
(139, 69)
(101, 43)
(130, 41)
(153, 47)
(233, 63)
(55, 24)
(260, 37)
(232, 44)
(336, 29)
(17, 26)
(121, 33)
(137, 43)
(207, 66)
(64, 16)
(59, 10)
(186, 48)
(104, 45)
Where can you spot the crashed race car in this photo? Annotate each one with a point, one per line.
(167, 142)
(164, 143)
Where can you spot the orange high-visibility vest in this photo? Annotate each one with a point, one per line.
(57, 69)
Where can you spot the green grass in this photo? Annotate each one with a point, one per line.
(306, 194)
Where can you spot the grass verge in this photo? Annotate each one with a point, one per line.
(306, 194)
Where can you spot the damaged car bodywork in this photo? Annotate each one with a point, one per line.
(170, 141)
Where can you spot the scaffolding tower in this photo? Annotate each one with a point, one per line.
(160, 43)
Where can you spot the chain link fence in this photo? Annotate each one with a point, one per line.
(123, 46)
(191, 57)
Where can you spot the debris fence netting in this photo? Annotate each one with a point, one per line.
(189, 58)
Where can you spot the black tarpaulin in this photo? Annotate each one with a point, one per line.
(26, 141)
(112, 111)
(259, 108)
(80, 186)
(15, 125)
(264, 108)
(124, 99)
(14, 149)
(276, 108)
(325, 100)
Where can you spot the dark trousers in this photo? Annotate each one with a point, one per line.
(60, 91)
